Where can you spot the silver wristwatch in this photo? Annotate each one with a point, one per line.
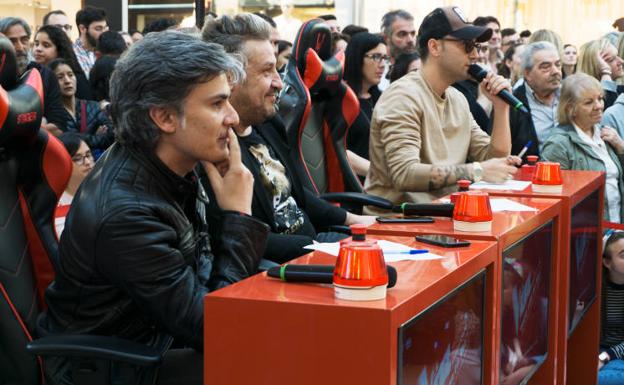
(477, 172)
(604, 357)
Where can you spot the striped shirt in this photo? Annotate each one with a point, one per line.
(86, 58)
(612, 330)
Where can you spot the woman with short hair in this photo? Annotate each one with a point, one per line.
(82, 164)
(579, 142)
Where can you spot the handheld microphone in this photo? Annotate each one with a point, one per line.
(316, 273)
(479, 73)
(426, 209)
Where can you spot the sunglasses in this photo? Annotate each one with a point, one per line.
(469, 45)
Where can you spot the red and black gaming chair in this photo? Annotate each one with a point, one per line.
(318, 108)
(34, 171)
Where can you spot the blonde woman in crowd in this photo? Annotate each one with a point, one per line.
(599, 59)
(549, 36)
(579, 142)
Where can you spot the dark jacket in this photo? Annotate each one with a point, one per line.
(99, 77)
(283, 247)
(470, 89)
(135, 258)
(521, 125)
(94, 118)
(53, 109)
(83, 88)
(566, 147)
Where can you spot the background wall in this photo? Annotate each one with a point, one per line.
(576, 20)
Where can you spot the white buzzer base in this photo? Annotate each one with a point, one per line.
(547, 188)
(351, 293)
(472, 226)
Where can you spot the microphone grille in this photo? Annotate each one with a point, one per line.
(477, 72)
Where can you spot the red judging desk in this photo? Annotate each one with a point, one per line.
(581, 267)
(528, 286)
(433, 326)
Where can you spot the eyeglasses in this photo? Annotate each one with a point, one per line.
(82, 159)
(377, 57)
(66, 27)
(469, 45)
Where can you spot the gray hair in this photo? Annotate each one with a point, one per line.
(160, 71)
(233, 31)
(390, 17)
(8, 22)
(530, 50)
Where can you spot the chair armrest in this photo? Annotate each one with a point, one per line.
(99, 347)
(358, 198)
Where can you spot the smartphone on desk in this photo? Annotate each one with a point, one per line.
(442, 240)
(404, 219)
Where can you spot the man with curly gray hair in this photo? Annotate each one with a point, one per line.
(135, 258)
(295, 215)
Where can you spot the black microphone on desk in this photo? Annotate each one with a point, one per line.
(479, 73)
(316, 273)
(425, 209)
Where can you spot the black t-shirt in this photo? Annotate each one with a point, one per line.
(359, 132)
(289, 218)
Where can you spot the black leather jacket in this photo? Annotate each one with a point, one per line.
(522, 127)
(135, 258)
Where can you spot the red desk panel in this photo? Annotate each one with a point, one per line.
(578, 350)
(507, 229)
(264, 331)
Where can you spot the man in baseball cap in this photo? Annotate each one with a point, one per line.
(450, 21)
(423, 138)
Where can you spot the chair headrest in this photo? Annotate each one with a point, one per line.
(314, 34)
(8, 64)
(323, 77)
(21, 111)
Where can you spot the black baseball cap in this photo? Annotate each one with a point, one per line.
(450, 21)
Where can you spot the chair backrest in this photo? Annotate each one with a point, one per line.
(34, 170)
(318, 108)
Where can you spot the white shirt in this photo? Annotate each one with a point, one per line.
(59, 217)
(612, 192)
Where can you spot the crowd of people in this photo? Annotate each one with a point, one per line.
(183, 181)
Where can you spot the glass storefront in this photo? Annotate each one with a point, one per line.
(143, 12)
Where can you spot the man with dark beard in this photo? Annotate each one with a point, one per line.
(280, 198)
(18, 32)
(91, 23)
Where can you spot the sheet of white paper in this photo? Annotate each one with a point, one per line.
(515, 185)
(502, 204)
(392, 251)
